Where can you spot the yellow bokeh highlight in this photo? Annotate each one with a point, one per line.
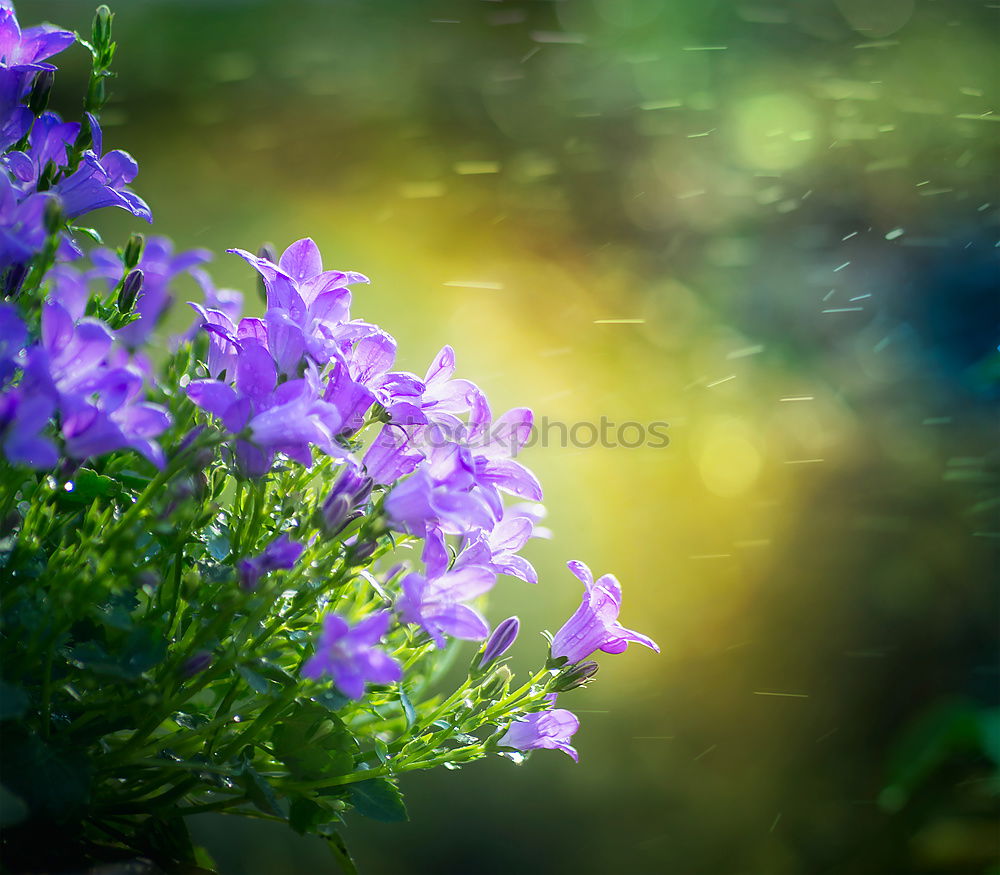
(729, 460)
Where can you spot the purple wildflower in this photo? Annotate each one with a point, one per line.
(497, 549)
(350, 655)
(550, 729)
(28, 49)
(22, 224)
(23, 418)
(306, 306)
(13, 336)
(281, 554)
(283, 418)
(595, 624)
(101, 181)
(391, 455)
(434, 600)
(442, 493)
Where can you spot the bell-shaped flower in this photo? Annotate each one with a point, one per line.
(595, 624)
(32, 46)
(351, 656)
(551, 729)
(281, 554)
(101, 181)
(434, 601)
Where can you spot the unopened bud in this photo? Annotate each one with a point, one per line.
(133, 250)
(341, 506)
(13, 279)
(41, 88)
(131, 286)
(497, 683)
(500, 641)
(101, 31)
(361, 552)
(574, 676)
(196, 664)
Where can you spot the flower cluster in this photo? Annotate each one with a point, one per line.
(270, 531)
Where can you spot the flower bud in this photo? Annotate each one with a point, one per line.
(131, 286)
(350, 491)
(196, 664)
(38, 99)
(100, 33)
(13, 279)
(574, 676)
(500, 641)
(361, 551)
(133, 250)
(496, 684)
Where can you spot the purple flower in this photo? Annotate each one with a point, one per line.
(100, 181)
(29, 48)
(285, 417)
(99, 394)
(497, 549)
(443, 494)
(13, 336)
(23, 417)
(434, 600)
(306, 306)
(350, 655)
(500, 641)
(391, 455)
(595, 624)
(550, 729)
(49, 140)
(282, 553)
(444, 397)
(22, 224)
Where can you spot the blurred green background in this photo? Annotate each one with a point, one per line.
(796, 202)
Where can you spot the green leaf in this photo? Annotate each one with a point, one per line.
(218, 544)
(314, 744)
(257, 683)
(378, 799)
(341, 854)
(259, 792)
(79, 229)
(142, 650)
(305, 815)
(54, 784)
(168, 842)
(408, 709)
(13, 701)
(88, 485)
(329, 699)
